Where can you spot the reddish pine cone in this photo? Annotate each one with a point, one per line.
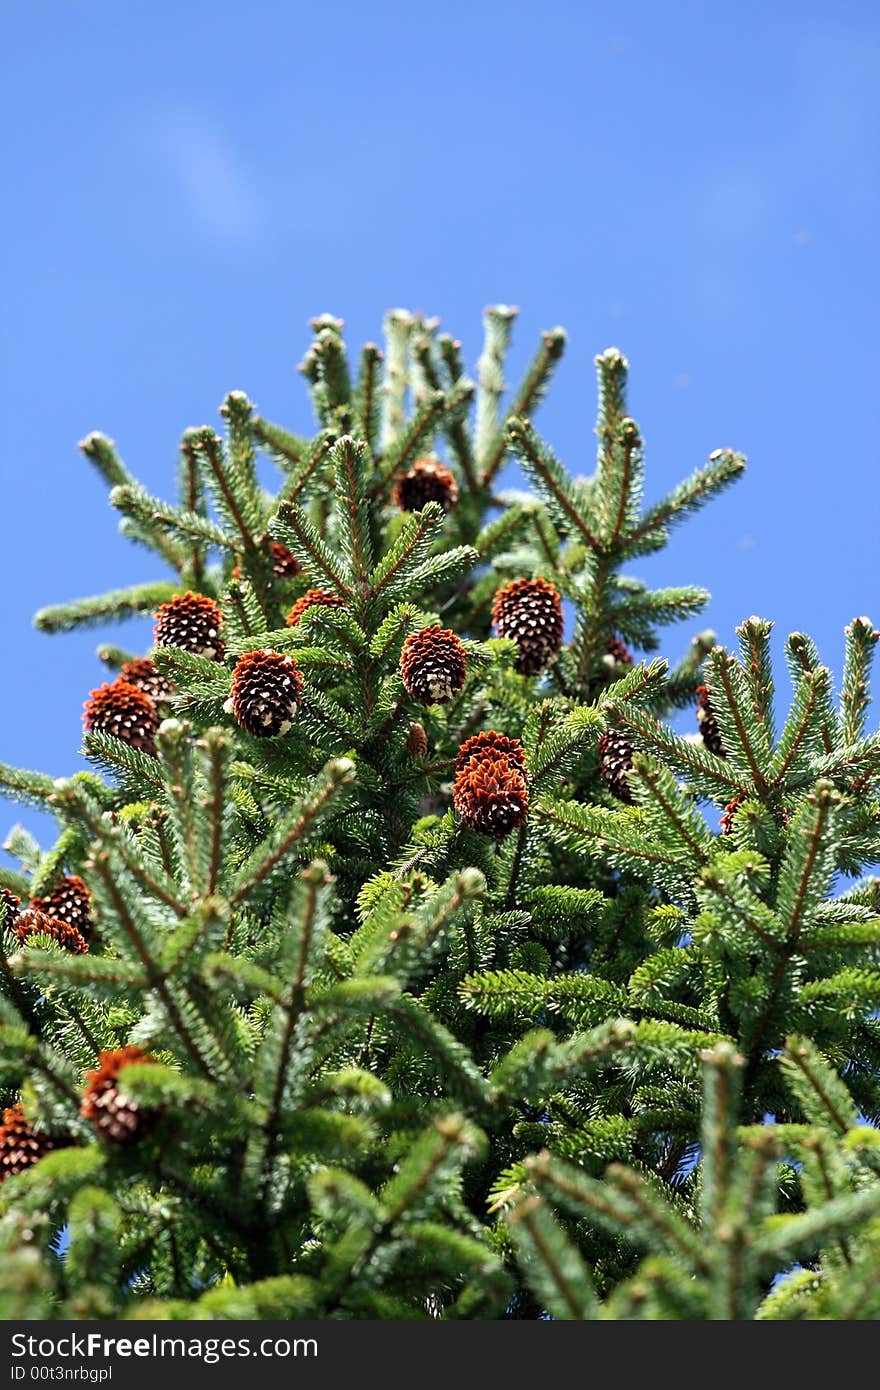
(192, 622)
(490, 794)
(125, 712)
(615, 761)
(32, 922)
(147, 677)
(284, 565)
(619, 651)
(266, 693)
(491, 744)
(530, 611)
(20, 1146)
(426, 481)
(71, 901)
(12, 906)
(416, 741)
(433, 665)
(711, 734)
(116, 1118)
(313, 598)
(725, 825)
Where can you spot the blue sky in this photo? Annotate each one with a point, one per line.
(188, 183)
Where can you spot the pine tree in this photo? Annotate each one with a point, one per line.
(387, 963)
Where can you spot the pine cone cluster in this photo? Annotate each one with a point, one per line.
(115, 1118)
(20, 1146)
(615, 762)
(427, 481)
(709, 729)
(490, 792)
(417, 741)
(313, 598)
(124, 711)
(192, 622)
(32, 922)
(147, 677)
(433, 665)
(266, 693)
(71, 901)
(530, 612)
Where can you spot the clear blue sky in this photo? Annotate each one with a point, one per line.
(187, 183)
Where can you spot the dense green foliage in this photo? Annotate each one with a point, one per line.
(617, 1063)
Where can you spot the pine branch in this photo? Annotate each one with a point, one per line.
(754, 643)
(725, 467)
(152, 970)
(33, 788)
(290, 450)
(134, 502)
(526, 399)
(401, 451)
(291, 830)
(497, 323)
(312, 879)
(861, 639)
(398, 326)
(101, 452)
(293, 529)
(118, 604)
(230, 485)
(709, 775)
(730, 690)
(626, 1203)
(618, 481)
(192, 501)
(553, 1264)
(350, 461)
(367, 421)
(453, 423)
(551, 479)
(450, 352)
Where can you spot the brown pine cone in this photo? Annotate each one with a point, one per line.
(619, 652)
(12, 906)
(35, 923)
(426, 481)
(125, 712)
(615, 761)
(284, 565)
(433, 665)
(70, 900)
(20, 1146)
(530, 612)
(115, 1118)
(266, 693)
(416, 741)
(313, 598)
(147, 677)
(709, 728)
(490, 795)
(192, 622)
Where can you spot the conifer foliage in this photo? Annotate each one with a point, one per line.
(388, 962)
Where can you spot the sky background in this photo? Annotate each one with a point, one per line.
(188, 183)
